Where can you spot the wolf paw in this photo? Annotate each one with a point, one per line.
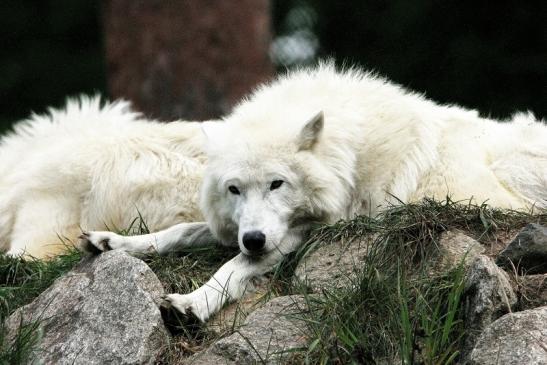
(190, 304)
(100, 241)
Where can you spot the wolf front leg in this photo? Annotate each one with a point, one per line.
(227, 284)
(170, 239)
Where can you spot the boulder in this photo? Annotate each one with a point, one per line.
(514, 339)
(104, 311)
(332, 265)
(454, 248)
(528, 251)
(269, 335)
(488, 295)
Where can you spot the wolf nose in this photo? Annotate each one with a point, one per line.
(254, 240)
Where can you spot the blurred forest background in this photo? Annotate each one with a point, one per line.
(194, 59)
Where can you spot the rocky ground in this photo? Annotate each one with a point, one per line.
(107, 308)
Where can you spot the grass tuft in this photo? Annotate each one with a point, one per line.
(23, 279)
(394, 310)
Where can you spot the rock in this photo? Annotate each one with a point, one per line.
(516, 338)
(488, 295)
(270, 335)
(331, 265)
(103, 311)
(528, 251)
(209, 357)
(454, 248)
(532, 291)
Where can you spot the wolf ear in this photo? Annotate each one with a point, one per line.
(310, 133)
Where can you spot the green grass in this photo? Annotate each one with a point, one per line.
(392, 311)
(22, 280)
(395, 311)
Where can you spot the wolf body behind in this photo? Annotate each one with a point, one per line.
(93, 167)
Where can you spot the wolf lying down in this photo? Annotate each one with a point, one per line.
(316, 145)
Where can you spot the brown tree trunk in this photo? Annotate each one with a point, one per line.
(189, 59)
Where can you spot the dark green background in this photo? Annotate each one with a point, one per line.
(486, 55)
(50, 49)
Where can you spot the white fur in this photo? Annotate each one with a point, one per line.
(94, 167)
(374, 144)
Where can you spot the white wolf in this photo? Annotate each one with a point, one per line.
(316, 145)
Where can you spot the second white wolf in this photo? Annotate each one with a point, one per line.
(314, 146)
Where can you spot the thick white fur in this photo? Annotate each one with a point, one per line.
(91, 167)
(375, 144)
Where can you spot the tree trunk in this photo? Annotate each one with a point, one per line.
(186, 59)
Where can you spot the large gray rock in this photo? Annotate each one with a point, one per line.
(528, 251)
(332, 265)
(532, 291)
(104, 311)
(454, 249)
(270, 335)
(488, 295)
(514, 339)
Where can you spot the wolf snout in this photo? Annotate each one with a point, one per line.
(254, 241)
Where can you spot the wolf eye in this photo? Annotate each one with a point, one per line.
(275, 184)
(233, 190)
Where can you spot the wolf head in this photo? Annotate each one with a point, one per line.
(257, 187)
